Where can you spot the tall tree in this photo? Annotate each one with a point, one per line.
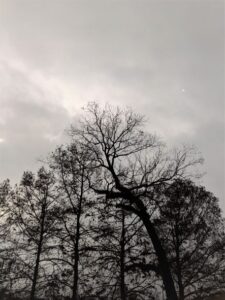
(33, 213)
(192, 230)
(70, 167)
(6, 247)
(129, 163)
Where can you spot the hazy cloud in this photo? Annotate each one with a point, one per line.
(163, 58)
(31, 122)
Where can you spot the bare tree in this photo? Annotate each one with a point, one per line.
(33, 215)
(128, 164)
(69, 165)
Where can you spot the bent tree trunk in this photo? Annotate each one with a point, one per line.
(164, 266)
(162, 259)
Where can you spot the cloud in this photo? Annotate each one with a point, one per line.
(32, 122)
(164, 59)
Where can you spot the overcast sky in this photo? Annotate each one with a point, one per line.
(162, 58)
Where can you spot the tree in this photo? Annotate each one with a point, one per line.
(191, 229)
(120, 246)
(33, 215)
(69, 165)
(128, 164)
(6, 249)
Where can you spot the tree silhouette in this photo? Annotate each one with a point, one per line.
(6, 247)
(33, 214)
(69, 165)
(192, 230)
(120, 247)
(114, 215)
(129, 163)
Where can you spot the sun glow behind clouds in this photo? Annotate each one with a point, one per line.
(2, 140)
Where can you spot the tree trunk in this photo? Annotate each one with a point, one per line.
(164, 266)
(75, 295)
(179, 271)
(181, 288)
(122, 257)
(162, 258)
(37, 263)
(76, 261)
(35, 276)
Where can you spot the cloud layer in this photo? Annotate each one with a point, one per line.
(162, 58)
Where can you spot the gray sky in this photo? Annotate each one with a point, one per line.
(162, 58)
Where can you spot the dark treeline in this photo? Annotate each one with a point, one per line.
(111, 215)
